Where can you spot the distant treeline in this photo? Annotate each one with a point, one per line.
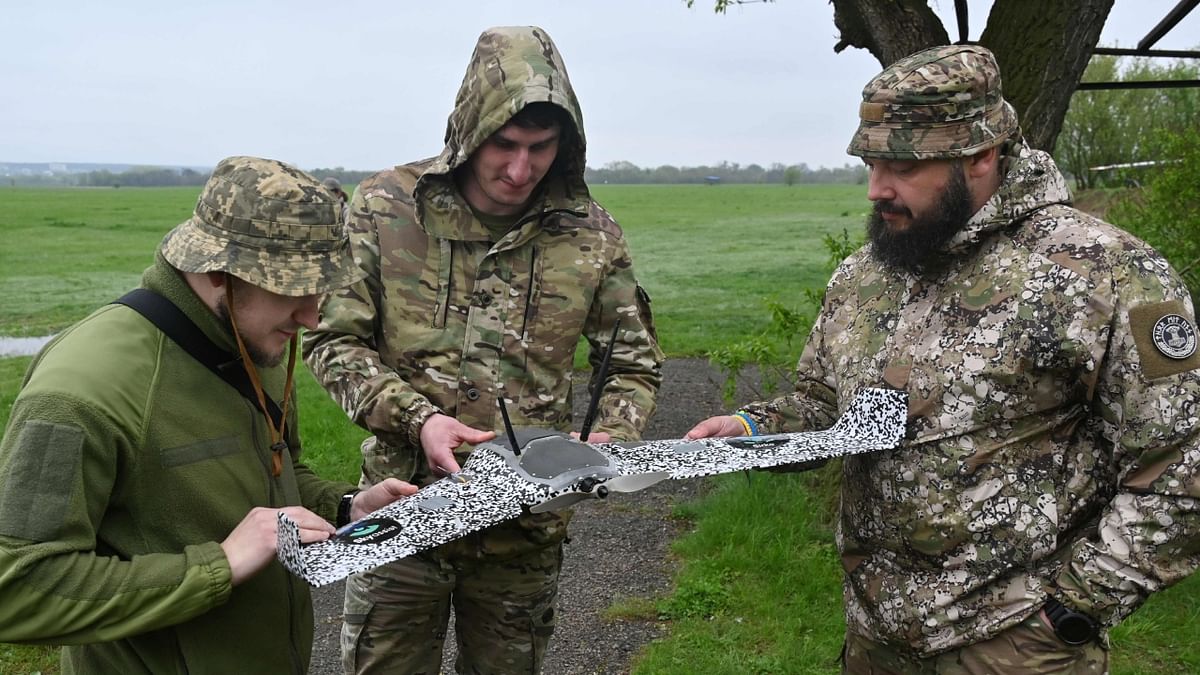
(725, 172)
(613, 172)
(143, 177)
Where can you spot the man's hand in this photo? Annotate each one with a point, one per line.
(252, 543)
(595, 437)
(441, 434)
(379, 496)
(721, 425)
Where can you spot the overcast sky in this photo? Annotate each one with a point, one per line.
(364, 85)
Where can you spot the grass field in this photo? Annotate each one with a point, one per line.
(708, 255)
(759, 589)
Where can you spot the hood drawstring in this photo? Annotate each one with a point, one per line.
(278, 445)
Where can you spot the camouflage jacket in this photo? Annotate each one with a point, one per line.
(1053, 447)
(447, 320)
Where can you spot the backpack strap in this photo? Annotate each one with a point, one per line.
(183, 331)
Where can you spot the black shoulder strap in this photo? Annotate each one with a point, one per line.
(176, 325)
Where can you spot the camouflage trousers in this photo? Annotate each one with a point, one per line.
(504, 612)
(1028, 648)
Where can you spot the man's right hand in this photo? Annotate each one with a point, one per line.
(252, 543)
(441, 434)
(721, 425)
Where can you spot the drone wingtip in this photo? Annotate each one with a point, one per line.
(287, 548)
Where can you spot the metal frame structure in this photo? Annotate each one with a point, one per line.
(1144, 48)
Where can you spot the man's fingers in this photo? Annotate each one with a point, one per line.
(476, 436)
(398, 488)
(307, 520)
(443, 463)
(308, 535)
(379, 496)
(715, 426)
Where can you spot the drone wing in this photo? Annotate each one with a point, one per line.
(874, 421)
(553, 471)
(486, 492)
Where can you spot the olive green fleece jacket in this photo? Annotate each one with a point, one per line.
(124, 464)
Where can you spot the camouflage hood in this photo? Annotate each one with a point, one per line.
(511, 67)
(1031, 183)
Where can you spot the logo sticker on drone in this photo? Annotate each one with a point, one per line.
(1174, 336)
(370, 531)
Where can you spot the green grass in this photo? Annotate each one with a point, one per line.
(708, 255)
(759, 590)
(711, 255)
(69, 250)
(331, 442)
(760, 587)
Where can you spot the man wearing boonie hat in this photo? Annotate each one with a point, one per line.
(1047, 483)
(335, 186)
(139, 487)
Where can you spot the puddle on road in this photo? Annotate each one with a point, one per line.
(22, 346)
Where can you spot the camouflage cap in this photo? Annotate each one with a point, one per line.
(269, 224)
(940, 103)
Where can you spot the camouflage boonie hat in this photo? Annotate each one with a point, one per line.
(269, 224)
(940, 103)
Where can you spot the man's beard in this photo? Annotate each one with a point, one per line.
(257, 356)
(917, 247)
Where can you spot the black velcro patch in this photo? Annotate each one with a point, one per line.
(38, 485)
(1156, 328)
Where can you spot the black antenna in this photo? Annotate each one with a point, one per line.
(590, 417)
(508, 428)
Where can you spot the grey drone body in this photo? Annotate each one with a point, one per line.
(552, 471)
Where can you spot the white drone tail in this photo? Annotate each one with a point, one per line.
(876, 417)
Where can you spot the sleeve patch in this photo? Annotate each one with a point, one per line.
(37, 488)
(1165, 337)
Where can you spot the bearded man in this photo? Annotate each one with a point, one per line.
(1048, 480)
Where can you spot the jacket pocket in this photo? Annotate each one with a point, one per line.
(197, 452)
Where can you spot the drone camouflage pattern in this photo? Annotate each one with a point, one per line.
(550, 470)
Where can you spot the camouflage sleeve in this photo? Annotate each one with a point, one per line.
(635, 371)
(1148, 398)
(342, 351)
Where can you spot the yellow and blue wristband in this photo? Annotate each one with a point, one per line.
(747, 423)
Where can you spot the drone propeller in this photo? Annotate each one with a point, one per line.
(590, 488)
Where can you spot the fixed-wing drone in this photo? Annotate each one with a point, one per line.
(550, 470)
(545, 470)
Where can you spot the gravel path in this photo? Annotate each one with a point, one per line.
(618, 549)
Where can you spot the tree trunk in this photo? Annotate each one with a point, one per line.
(1042, 47)
(889, 29)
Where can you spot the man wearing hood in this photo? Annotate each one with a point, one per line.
(1048, 480)
(485, 265)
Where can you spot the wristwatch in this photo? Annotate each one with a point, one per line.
(1072, 627)
(343, 512)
